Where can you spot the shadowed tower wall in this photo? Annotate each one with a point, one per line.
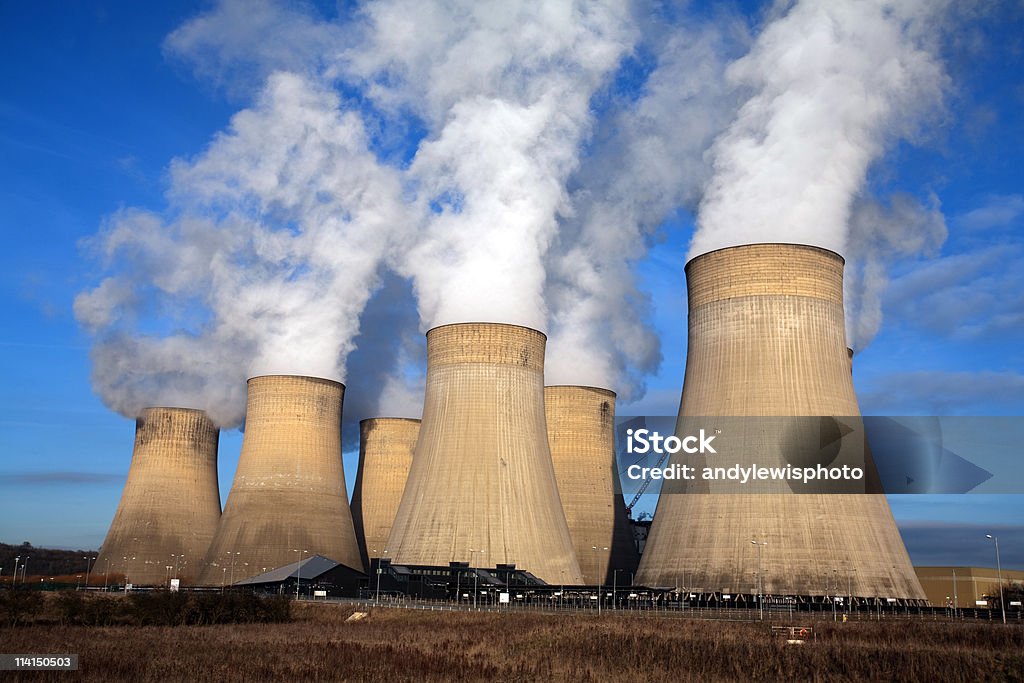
(289, 490)
(386, 445)
(481, 477)
(581, 432)
(170, 507)
(766, 338)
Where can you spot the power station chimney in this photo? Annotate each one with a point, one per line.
(482, 487)
(766, 338)
(386, 445)
(288, 500)
(581, 432)
(171, 504)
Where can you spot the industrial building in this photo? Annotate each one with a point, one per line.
(170, 506)
(315, 577)
(581, 433)
(288, 500)
(386, 446)
(766, 337)
(967, 587)
(482, 486)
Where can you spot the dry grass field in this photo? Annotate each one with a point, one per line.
(408, 645)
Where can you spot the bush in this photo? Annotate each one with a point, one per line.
(17, 606)
(159, 608)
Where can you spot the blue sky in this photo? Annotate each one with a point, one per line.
(94, 110)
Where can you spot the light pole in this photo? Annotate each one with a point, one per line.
(999, 575)
(597, 573)
(24, 570)
(835, 589)
(760, 582)
(379, 570)
(298, 576)
(476, 574)
(849, 589)
(956, 601)
(458, 583)
(234, 556)
(88, 568)
(14, 579)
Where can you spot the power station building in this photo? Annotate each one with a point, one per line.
(482, 485)
(288, 500)
(386, 445)
(581, 433)
(766, 337)
(170, 506)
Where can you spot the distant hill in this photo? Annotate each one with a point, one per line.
(44, 561)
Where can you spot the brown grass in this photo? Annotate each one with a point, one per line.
(400, 645)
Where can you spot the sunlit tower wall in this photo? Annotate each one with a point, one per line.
(766, 338)
(581, 433)
(288, 500)
(482, 486)
(386, 446)
(170, 506)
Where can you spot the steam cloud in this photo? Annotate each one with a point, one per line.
(832, 83)
(277, 233)
(488, 154)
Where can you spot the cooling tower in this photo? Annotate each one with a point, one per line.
(288, 500)
(386, 445)
(482, 487)
(581, 432)
(766, 338)
(171, 504)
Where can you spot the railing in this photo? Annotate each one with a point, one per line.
(781, 613)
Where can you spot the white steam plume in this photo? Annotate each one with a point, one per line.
(833, 82)
(647, 162)
(504, 90)
(880, 236)
(277, 234)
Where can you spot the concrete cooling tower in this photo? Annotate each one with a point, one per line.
(482, 487)
(386, 445)
(288, 500)
(766, 338)
(581, 432)
(171, 504)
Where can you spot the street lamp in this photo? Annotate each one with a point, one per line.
(298, 576)
(14, 579)
(999, 574)
(88, 565)
(377, 599)
(956, 601)
(760, 582)
(835, 589)
(177, 563)
(234, 556)
(476, 575)
(597, 573)
(849, 588)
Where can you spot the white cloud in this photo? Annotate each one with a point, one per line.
(831, 83)
(998, 211)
